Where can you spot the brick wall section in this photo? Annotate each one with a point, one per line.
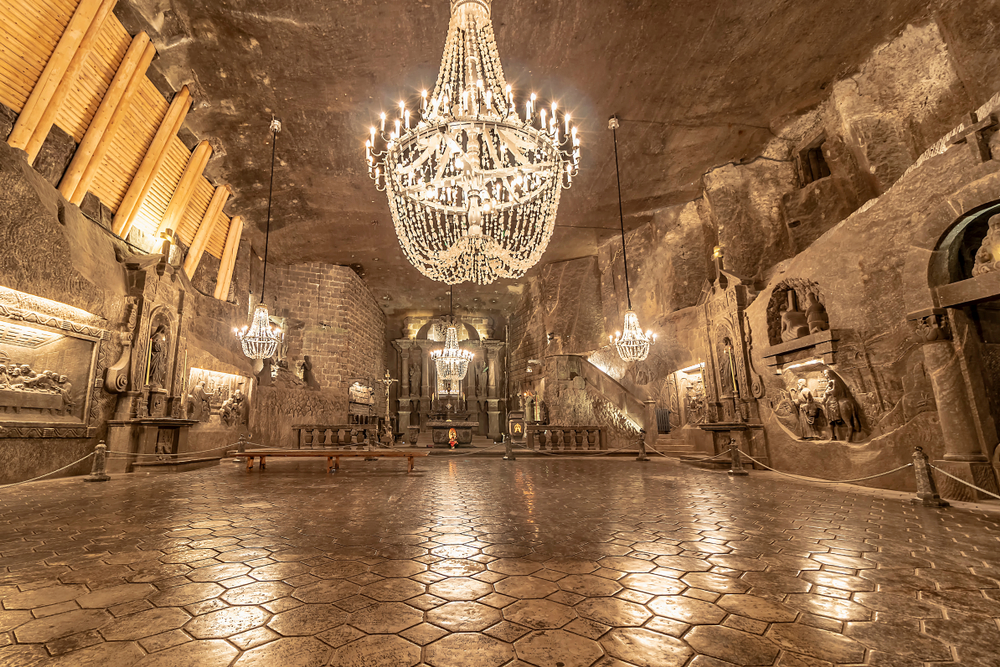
(334, 320)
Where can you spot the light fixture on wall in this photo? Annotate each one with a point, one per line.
(631, 342)
(452, 363)
(260, 340)
(473, 187)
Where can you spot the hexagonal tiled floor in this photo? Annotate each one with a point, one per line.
(483, 563)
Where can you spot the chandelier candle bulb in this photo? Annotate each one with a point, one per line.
(382, 116)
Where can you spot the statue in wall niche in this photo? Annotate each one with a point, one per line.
(987, 259)
(841, 409)
(483, 379)
(159, 351)
(793, 321)
(727, 369)
(808, 409)
(308, 376)
(415, 377)
(816, 316)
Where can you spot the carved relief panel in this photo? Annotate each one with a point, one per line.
(50, 367)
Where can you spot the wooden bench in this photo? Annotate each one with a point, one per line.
(332, 456)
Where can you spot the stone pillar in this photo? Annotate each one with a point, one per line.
(404, 385)
(650, 425)
(425, 376)
(404, 372)
(493, 412)
(491, 356)
(963, 452)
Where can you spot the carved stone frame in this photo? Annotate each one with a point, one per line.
(95, 379)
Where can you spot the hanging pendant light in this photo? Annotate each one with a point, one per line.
(632, 344)
(452, 363)
(473, 187)
(260, 340)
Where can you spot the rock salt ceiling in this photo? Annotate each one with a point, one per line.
(697, 83)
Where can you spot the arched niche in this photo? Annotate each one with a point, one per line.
(944, 303)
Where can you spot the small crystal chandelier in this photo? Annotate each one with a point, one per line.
(473, 187)
(632, 343)
(452, 362)
(260, 340)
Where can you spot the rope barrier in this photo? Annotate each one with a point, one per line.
(7, 486)
(707, 458)
(826, 481)
(957, 479)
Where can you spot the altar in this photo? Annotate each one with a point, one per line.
(440, 430)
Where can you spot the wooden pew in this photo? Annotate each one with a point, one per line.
(333, 456)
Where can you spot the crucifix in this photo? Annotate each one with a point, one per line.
(387, 383)
(977, 132)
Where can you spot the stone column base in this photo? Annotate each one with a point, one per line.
(404, 421)
(981, 474)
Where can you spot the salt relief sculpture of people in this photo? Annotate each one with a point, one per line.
(808, 410)
(21, 377)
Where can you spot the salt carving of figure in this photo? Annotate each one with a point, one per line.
(4, 378)
(45, 381)
(808, 410)
(66, 388)
(15, 377)
(27, 376)
(793, 321)
(202, 402)
(727, 369)
(816, 316)
(832, 403)
(158, 357)
(308, 376)
(415, 376)
(483, 377)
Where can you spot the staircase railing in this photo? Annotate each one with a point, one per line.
(609, 388)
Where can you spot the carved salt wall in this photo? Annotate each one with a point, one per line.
(881, 137)
(331, 317)
(62, 273)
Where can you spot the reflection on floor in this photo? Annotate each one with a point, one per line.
(483, 563)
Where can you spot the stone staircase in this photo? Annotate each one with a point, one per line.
(674, 445)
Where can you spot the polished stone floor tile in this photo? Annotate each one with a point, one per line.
(484, 563)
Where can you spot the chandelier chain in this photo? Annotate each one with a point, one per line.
(275, 128)
(621, 214)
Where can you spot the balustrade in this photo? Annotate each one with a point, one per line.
(337, 436)
(564, 438)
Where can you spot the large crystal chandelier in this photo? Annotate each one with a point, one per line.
(473, 187)
(631, 342)
(452, 363)
(260, 340)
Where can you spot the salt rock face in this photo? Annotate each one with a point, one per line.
(745, 204)
(570, 297)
